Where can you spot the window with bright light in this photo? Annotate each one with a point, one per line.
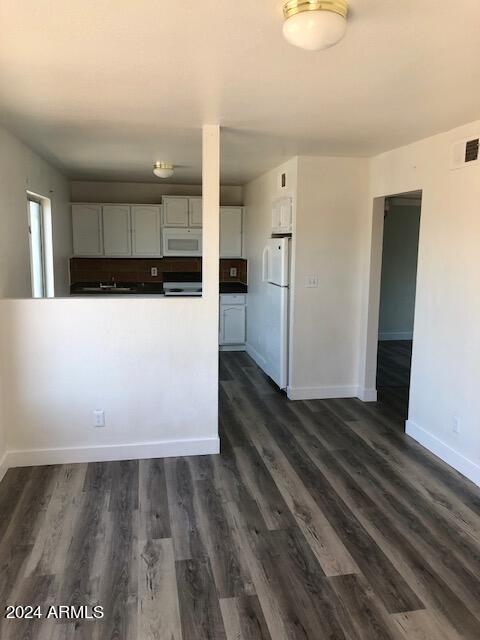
(41, 246)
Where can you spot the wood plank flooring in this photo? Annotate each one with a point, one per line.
(394, 364)
(319, 520)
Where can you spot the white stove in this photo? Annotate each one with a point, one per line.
(182, 288)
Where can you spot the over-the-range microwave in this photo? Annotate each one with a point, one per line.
(182, 242)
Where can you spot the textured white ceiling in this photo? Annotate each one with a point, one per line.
(103, 88)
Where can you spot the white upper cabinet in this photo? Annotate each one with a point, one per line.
(175, 211)
(116, 230)
(146, 231)
(87, 229)
(282, 216)
(231, 227)
(195, 212)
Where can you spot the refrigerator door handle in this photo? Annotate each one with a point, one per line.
(265, 265)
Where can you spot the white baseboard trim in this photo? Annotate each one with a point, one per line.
(321, 393)
(108, 453)
(255, 355)
(367, 395)
(384, 336)
(467, 467)
(3, 466)
(232, 347)
(330, 393)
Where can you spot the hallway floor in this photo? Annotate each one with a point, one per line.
(393, 376)
(319, 520)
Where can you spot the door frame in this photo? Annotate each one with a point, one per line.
(368, 387)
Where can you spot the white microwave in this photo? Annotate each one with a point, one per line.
(182, 242)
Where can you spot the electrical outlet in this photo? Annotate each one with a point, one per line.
(154, 272)
(311, 282)
(99, 418)
(456, 424)
(233, 272)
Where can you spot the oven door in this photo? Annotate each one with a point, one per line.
(182, 242)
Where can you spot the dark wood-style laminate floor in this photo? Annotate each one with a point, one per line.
(319, 520)
(394, 364)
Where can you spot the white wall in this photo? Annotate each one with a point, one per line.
(332, 199)
(259, 196)
(399, 271)
(446, 348)
(151, 364)
(145, 192)
(21, 170)
(330, 196)
(140, 360)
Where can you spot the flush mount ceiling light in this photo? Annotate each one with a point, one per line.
(163, 170)
(315, 24)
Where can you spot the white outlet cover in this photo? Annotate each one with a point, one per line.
(99, 418)
(311, 282)
(456, 424)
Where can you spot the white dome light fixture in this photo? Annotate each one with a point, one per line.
(163, 170)
(315, 24)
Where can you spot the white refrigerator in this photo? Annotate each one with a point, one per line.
(276, 273)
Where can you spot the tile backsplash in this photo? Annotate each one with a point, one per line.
(239, 265)
(139, 269)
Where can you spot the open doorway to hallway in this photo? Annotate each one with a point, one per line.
(397, 300)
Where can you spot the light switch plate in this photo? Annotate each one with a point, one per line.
(311, 282)
(99, 418)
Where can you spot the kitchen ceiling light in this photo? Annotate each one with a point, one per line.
(315, 24)
(163, 170)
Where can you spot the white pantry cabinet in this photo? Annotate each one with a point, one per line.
(117, 237)
(175, 211)
(87, 230)
(233, 318)
(231, 232)
(195, 212)
(146, 224)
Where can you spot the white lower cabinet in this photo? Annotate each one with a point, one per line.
(233, 321)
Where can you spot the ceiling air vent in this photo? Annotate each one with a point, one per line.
(466, 153)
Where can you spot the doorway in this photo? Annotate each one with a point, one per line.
(401, 228)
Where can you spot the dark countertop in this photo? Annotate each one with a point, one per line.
(141, 289)
(233, 287)
(122, 289)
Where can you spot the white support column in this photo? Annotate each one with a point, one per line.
(211, 250)
(211, 210)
